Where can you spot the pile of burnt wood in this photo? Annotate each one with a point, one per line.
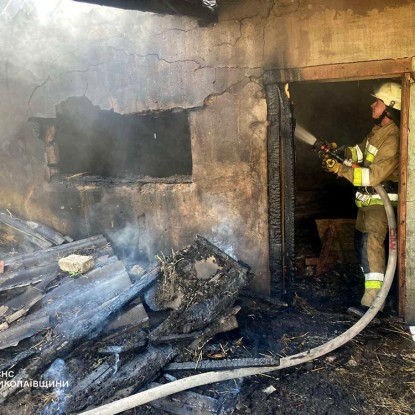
(75, 338)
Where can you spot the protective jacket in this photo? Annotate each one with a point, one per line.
(378, 159)
(378, 156)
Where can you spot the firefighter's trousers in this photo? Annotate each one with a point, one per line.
(370, 234)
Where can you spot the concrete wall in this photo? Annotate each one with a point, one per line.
(129, 62)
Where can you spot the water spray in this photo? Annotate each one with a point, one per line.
(304, 135)
(326, 151)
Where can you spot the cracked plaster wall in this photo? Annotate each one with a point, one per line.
(130, 61)
(298, 33)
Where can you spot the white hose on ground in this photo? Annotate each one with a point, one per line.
(190, 382)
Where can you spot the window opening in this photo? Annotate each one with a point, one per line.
(86, 141)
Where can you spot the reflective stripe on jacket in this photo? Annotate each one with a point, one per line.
(367, 199)
(378, 155)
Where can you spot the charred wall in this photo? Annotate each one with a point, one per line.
(126, 66)
(128, 62)
(142, 216)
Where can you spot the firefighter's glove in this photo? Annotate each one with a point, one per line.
(348, 162)
(331, 165)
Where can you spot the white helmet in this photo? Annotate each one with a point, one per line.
(390, 93)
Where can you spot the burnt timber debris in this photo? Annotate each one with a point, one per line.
(96, 326)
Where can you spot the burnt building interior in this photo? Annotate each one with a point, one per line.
(335, 112)
(156, 201)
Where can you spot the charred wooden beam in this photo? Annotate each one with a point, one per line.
(134, 342)
(225, 323)
(20, 227)
(120, 333)
(387, 68)
(53, 253)
(222, 364)
(131, 376)
(110, 350)
(16, 360)
(216, 296)
(29, 276)
(36, 229)
(97, 377)
(129, 319)
(281, 189)
(82, 180)
(21, 304)
(177, 338)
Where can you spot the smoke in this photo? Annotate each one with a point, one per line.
(304, 135)
(130, 245)
(58, 374)
(31, 45)
(224, 238)
(225, 230)
(53, 49)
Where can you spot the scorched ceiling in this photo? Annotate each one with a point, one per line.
(202, 9)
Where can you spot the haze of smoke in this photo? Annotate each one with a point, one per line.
(224, 235)
(131, 246)
(57, 372)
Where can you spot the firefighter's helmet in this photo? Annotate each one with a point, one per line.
(390, 94)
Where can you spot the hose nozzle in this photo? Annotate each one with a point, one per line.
(328, 150)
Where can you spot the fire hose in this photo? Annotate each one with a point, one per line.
(190, 382)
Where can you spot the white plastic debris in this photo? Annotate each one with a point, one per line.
(269, 390)
(412, 330)
(211, 4)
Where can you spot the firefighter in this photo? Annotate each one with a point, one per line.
(372, 162)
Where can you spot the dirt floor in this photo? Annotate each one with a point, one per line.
(372, 374)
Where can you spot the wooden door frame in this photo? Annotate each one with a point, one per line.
(389, 68)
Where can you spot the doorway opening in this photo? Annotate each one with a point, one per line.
(336, 112)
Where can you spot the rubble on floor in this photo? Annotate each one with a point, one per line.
(91, 322)
(76, 340)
